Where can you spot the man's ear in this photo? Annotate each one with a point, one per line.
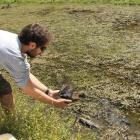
(32, 45)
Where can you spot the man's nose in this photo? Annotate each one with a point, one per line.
(40, 53)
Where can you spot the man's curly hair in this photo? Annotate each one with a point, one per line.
(34, 33)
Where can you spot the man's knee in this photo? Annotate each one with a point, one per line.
(6, 97)
(7, 101)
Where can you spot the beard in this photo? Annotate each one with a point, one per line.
(30, 54)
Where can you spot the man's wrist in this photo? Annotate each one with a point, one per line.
(54, 102)
(47, 91)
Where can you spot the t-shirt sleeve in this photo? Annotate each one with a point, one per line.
(19, 69)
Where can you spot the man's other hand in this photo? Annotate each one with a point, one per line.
(62, 103)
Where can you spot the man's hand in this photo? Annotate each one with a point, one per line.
(35, 89)
(62, 103)
(54, 93)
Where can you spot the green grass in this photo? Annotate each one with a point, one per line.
(74, 1)
(36, 121)
(31, 123)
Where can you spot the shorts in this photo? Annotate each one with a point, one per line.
(5, 87)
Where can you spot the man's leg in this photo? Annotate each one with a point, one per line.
(6, 97)
(7, 103)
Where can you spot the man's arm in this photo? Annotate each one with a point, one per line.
(36, 90)
(38, 84)
(42, 87)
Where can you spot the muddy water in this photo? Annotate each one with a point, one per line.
(134, 119)
(110, 122)
(127, 123)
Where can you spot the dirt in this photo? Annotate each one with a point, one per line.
(102, 61)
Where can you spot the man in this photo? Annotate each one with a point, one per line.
(31, 41)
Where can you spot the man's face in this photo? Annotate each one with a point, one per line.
(36, 51)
